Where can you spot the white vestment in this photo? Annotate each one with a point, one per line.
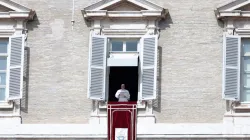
(122, 95)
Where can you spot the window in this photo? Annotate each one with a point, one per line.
(236, 68)
(124, 46)
(245, 70)
(11, 67)
(3, 67)
(100, 75)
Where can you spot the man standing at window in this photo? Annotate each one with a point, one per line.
(122, 94)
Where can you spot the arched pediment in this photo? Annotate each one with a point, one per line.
(124, 9)
(10, 9)
(236, 8)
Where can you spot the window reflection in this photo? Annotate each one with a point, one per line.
(131, 46)
(3, 63)
(117, 46)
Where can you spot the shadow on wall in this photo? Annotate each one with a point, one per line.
(165, 22)
(24, 101)
(157, 101)
(163, 25)
(33, 23)
(87, 22)
(219, 22)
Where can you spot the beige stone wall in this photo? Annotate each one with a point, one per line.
(191, 72)
(191, 63)
(58, 68)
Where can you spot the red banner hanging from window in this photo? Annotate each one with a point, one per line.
(122, 120)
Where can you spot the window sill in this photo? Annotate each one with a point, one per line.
(6, 104)
(103, 105)
(236, 114)
(242, 106)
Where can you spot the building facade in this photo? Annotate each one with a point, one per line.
(185, 63)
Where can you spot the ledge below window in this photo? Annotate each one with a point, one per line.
(242, 107)
(103, 105)
(6, 104)
(236, 114)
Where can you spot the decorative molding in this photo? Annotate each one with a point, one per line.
(122, 14)
(6, 33)
(13, 5)
(19, 11)
(97, 10)
(107, 3)
(243, 31)
(140, 32)
(232, 9)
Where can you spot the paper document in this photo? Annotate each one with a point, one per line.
(121, 134)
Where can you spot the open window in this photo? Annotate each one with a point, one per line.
(132, 62)
(236, 69)
(236, 44)
(123, 75)
(11, 68)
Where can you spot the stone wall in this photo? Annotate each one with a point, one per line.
(190, 58)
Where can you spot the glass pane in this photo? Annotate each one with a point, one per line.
(3, 47)
(2, 78)
(246, 63)
(247, 80)
(131, 46)
(3, 63)
(117, 46)
(2, 94)
(246, 46)
(246, 95)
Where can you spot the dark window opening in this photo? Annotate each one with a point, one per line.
(123, 75)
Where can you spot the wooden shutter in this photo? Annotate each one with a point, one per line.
(97, 68)
(231, 67)
(148, 65)
(15, 67)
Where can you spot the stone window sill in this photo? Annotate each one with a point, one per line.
(103, 105)
(6, 104)
(236, 114)
(241, 110)
(242, 106)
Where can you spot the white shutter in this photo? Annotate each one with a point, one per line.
(15, 65)
(148, 65)
(97, 68)
(231, 67)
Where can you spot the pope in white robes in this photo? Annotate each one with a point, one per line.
(122, 94)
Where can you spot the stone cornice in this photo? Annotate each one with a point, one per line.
(123, 14)
(235, 13)
(14, 6)
(232, 9)
(106, 3)
(95, 11)
(18, 15)
(19, 11)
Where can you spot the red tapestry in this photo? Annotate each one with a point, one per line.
(122, 115)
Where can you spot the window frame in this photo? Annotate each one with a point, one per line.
(6, 87)
(124, 40)
(124, 47)
(242, 72)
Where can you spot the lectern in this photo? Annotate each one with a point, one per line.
(122, 120)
